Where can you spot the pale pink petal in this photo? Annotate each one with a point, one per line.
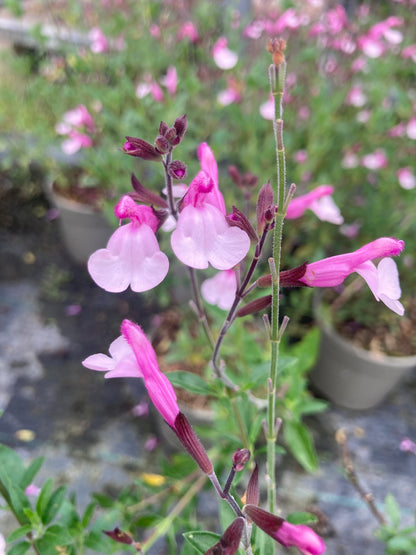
(406, 178)
(170, 80)
(120, 364)
(327, 211)
(267, 109)
(220, 290)
(411, 128)
(223, 56)
(132, 257)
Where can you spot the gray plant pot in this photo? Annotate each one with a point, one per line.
(83, 229)
(352, 377)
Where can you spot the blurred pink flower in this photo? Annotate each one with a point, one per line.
(75, 142)
(230, 95)
(409, 52)
(408, 445)
(397, 131)
(78, 117)
(154, 30)
(98, 41)
(411, 128)
(149, 86)
(350, 230)
(406, 177)
(319, 201)
(220, 290)
(151, 443)
(142, 409)
(375, 160)
(371, 46)
(350, 160)
(301, 156)
(32, 490)
(254, 30)
(267, 109)
(170, 80)
(356, 96)
(223, 56)
(2, 545)
(189, 31)
(358, 64)
(132, 256)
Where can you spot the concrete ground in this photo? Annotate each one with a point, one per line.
(52, 316)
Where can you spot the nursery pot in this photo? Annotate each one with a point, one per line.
(83, 228)
(353, 377)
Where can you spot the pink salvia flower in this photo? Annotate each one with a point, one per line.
(332, 271)
(189, 31)
(223, 56)
(375, 160)
(202, 235)
(320, 202)
(220, 290)
(267, 109)
(75, 142)
(408, 446)
(356, 97)
(289, 535)
(132, 256)
(170, 80)
(409, 52)
(32, 490)
(157, 384)
(120, 364)
(79, 117)
(406, 178)
(383, 282)
(98, 40)
(411, 128)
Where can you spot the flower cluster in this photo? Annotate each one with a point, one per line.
(79, 126)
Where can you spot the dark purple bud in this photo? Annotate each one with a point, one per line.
(163, 128)
(189, 440)
(254, 306)
(177, 169)
(230, 540)
(287, 278)
(180, 126)
(171, 135)
(235, 175)
(250, 180)
(238, 219)
(119, 536)
(252, 495)
(162, 144)
(240, 458)
(264, 202)
(141, 149)
(145, 196)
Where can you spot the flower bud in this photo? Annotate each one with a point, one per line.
(177, 169)
(252, 495)
(180, 126)
(240, 458)
(254, 306)
(287, 278)
(163, 128)
(119, 536)
(264, 202)
(145, 196)
(230, 540)
(162, 144)
(141, 149)
(238, 219)
(276, 47)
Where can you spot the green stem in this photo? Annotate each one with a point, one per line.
(276, 79)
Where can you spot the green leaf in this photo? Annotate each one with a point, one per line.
(313, 406)
(19, 503)
(31, 471)
(301, 517)
(19, 532)
(54, 537)
(19, 548)
(201, 541)
(189, 381)
(393, 510)
(401, 544)
(88, 513)
(300, 443)
(44, 496)
(54, 504)
(11, 466)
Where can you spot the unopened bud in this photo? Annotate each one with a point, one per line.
(190, 441)
(177, 169)
(287, 278)
(180, 126)
(163, 128)
(235, 175)
(145, 196)
(162, 144)
(240, 458)
(254, 306)
(238, 219)
(141, 149)
(264, 202)
(119, 536)
(276, 47)
(252, 495)
(230, 540)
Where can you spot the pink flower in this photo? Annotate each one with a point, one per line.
(409, 52)
(301, 156)
(32, 490)
(120, 364)
(202, 235)
(356, 96)
(408, 445)
(2, 545)
(132, 256)
(289, 535)
(149, 86)
(98, 40)
(383, 282)
(154, 30)
(332, 271)
(78, 117)
(350, 160)
(223, 56)
(397, 131)
(375, 160)
(75, 142)
(406, 178)
(371, 46)
(220, 290)
(320, 202)
(411, 128)
(170, 80)
(267, 109)
(231, 94)
(189, 31)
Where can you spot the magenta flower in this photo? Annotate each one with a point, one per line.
(98, 41)
(383, 282)
(132, 256)
(189, 31)
(220, 290)
(202, 235)
(411, 128)
(320, 202)
(406, 178)
(408, 446)
(223, 56)
(170, 80)
(289, 535)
